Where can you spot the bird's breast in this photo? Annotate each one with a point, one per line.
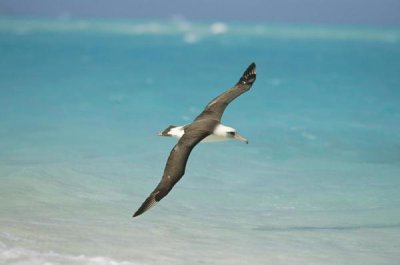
(214, 138)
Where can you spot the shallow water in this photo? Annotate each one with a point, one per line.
(81, 103)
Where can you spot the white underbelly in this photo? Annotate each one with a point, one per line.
(214, 138)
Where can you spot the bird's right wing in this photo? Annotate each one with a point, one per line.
(174, 169)
(215, 109)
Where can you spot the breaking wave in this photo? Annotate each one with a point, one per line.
(192, 32)
(22, 256)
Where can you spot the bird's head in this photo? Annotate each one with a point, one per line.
(167, 131)
(172, 131)
(236, 136)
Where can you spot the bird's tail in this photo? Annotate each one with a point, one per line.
(249, 76)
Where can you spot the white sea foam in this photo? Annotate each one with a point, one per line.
(191, 38)
(218, 28)
(22, 256)
(193, 32)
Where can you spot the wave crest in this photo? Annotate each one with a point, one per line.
(193, 32)
(22, 256)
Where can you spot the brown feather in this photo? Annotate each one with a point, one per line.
(177, 160)
(215, 109)
(201, 127)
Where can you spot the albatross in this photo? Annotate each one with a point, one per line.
(206, 127)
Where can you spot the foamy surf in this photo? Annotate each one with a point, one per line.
(23, 256)
(193, 32)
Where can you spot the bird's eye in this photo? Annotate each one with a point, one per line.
(231, 133)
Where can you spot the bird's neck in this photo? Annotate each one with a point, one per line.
(177, 132)
(222, 130)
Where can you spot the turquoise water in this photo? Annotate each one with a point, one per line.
(81, 103)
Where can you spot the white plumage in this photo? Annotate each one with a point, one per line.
(221, 133)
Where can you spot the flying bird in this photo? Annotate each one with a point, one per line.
(206, 127)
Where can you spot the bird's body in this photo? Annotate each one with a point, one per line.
(205, 128)
(220, 133)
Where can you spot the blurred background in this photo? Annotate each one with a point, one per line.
(361, 12)
(86, 85)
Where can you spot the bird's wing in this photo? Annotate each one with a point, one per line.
(216, 107)
(176, 164)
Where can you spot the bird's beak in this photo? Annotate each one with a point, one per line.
(159, 133)
(240, 138)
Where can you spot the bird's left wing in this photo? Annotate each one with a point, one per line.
(175, 167)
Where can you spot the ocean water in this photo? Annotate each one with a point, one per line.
(80, 105)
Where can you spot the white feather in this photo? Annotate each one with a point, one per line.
(177, 132)
(220, 133)
(222, 130)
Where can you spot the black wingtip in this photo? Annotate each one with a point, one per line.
(148, 203)
(249, 76)
(138, 212)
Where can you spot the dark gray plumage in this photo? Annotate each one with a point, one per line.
(194, 133)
